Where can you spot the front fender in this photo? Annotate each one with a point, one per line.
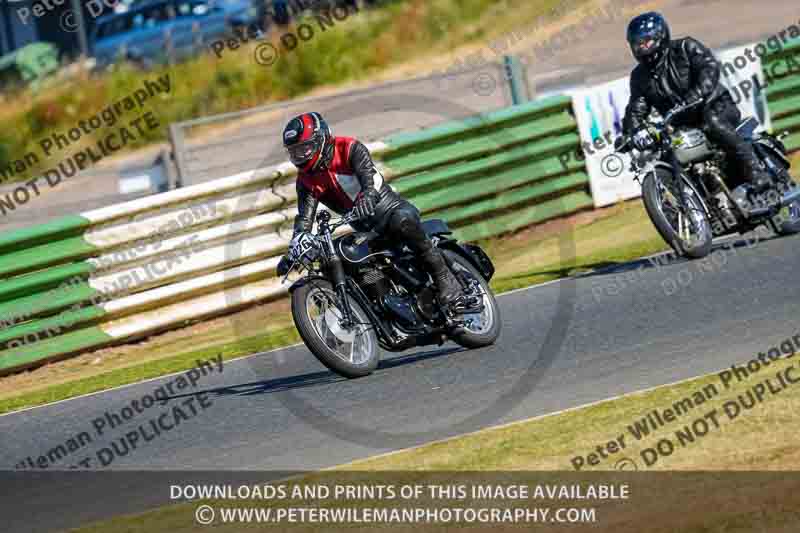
(305, 280)
(686, 181)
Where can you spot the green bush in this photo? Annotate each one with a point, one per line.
(353, 48)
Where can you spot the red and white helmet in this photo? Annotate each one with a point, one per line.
(309, 141)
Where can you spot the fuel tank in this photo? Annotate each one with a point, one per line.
(357, 247)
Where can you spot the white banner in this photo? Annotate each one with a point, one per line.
(599, 111)
(745, 79)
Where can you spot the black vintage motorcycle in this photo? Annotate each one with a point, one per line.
(685, 177)
(361, 293)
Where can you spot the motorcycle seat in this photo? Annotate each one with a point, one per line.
(436, 226)
(747, 128)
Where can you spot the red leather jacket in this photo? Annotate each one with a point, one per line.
(338, 184)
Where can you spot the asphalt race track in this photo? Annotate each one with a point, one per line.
(564, 344)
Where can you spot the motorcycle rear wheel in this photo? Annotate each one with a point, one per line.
(481, 329)
(789, 216)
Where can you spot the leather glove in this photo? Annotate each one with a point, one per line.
(693, 99)
(283, 266)
(643, 139)
(366, 203)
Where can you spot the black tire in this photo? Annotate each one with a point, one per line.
(468, 338)
(313, 339)
(789, 223)
(653, 206)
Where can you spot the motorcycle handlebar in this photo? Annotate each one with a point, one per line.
(622, 144)
(347, 218)
(674, 112)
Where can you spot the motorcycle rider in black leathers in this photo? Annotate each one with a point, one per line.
(340, 173)
(683, 71)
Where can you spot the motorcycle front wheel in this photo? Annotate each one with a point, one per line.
(350, 351)
(687, 231)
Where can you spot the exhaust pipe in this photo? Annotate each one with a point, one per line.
(790, 196)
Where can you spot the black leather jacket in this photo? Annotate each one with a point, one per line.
(687, 72)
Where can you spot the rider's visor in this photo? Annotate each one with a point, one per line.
(302, 152)
(646, 44)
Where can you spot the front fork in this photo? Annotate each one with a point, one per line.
(339, 279)
(677, 172)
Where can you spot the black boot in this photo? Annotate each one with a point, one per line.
(755, 173)
(448, 289)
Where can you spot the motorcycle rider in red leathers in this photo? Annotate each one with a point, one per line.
(340, 173)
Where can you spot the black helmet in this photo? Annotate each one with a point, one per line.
(309, 141)
(648, 37)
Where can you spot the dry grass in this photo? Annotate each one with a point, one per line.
(761, 439)
(259, 320)
(356, 51)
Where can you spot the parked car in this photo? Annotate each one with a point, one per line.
(159, 30)
(282, 11)
(28, 66)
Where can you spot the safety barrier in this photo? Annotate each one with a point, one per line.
(783, 92)
(493, 173)
(129, 270)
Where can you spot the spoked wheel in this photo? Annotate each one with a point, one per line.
(687, 230)
(349, 350)
(788, 220)
(483, 328)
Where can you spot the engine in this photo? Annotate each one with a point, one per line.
(374, 283)
(692, 146)
(400, 306)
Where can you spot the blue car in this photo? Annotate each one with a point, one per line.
(157, 30)
(282, 11)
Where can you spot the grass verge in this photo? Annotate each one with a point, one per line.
(709, 436)
(150, 369)
(523, 259)
(760, 438)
